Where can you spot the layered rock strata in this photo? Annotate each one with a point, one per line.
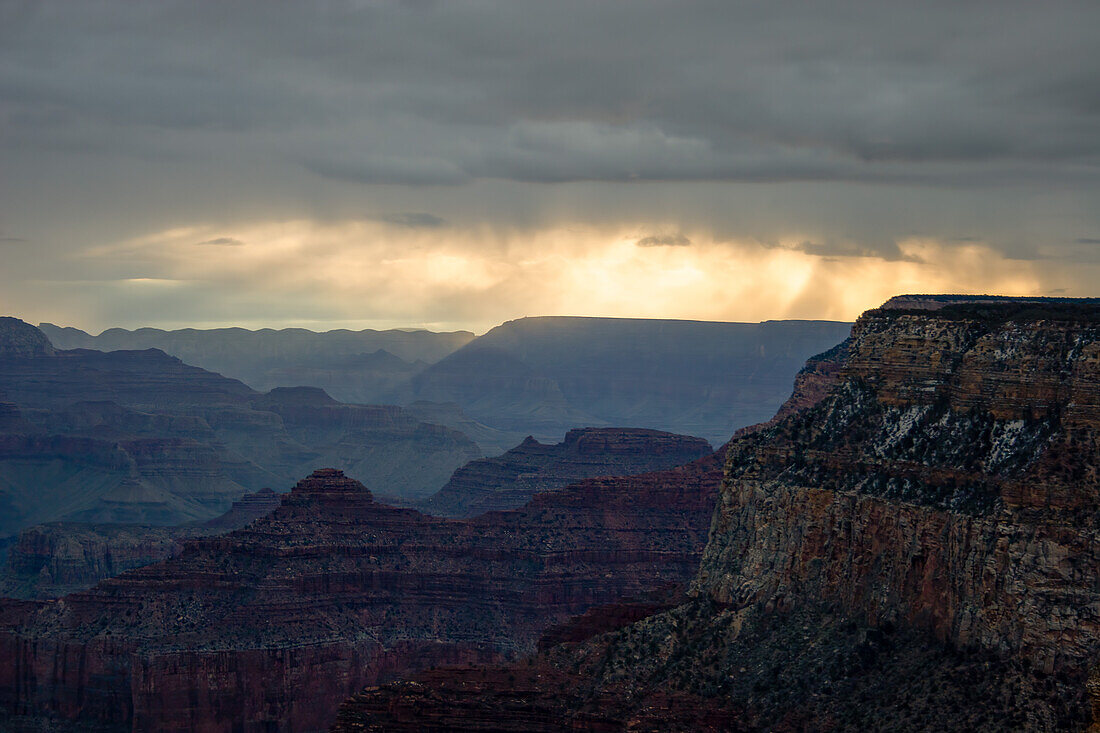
(271, 626)
(141, 437)
(917, 551)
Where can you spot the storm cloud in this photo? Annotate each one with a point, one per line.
(832, 130)
(664, 240)
(439, 93)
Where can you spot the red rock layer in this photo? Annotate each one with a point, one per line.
(949, 482)
(271, 626)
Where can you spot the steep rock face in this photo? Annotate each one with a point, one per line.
(917, 551)
(950, 482)
(271, 626)
(53, 560)
(510, 480)
(705, 668)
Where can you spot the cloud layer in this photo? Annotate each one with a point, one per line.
(837, 134)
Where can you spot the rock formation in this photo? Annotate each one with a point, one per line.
(271, 626)
(510, 480)
(917, 551)
(19, 339)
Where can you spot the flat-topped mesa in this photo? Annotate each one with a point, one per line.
(531, 468)
(939, 301)
(634, 441)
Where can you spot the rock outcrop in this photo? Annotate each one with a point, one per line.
(19, 339)
(271, 626)
(917, 551)
(510, 480)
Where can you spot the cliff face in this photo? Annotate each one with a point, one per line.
(949, 481)
(917, 551)
(271, 626)
(510, 480)
(18, 339)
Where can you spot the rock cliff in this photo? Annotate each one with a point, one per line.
(917, 551)
(510, 480)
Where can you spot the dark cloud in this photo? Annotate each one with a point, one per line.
(436, 93)
(871, 122)
(664, 240)
(888, 251)
(414, 220)
(223, 241)
(12, 240)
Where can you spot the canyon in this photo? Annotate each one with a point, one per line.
(352, 366)
(918, 551)
(271, 626)
(540, 376)
(545, 375)
(141, 437)
(53, 560)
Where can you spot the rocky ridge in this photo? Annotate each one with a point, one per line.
(141, 437)
(354, 366)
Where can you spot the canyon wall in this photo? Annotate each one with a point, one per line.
(918, 550)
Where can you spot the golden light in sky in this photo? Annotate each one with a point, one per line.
(475, 277)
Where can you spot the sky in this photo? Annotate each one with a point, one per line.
(452, 165)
